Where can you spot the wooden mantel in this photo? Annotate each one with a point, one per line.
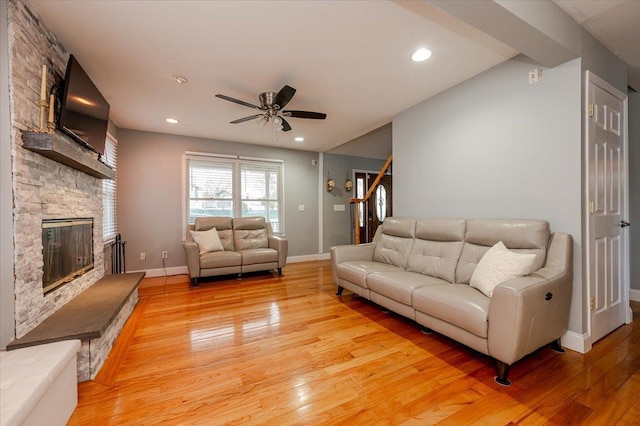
(64, 150)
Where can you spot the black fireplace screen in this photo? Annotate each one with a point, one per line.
(67, 250)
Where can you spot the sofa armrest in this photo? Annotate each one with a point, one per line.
(529, 312)
(281, 244)
(347, 253)
(192, 253)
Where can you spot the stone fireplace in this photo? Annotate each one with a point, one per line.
(43, 189)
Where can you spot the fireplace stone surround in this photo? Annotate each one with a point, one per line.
(41, 187)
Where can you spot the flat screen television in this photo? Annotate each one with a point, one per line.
(84, 112)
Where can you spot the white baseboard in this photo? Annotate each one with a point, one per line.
(308, 257)
(160, 272)
(634, 295)
(576, 342)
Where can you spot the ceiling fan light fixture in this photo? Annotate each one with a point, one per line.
(421, 55)
(277, 121)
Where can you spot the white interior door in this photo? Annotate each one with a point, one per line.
(607, 192)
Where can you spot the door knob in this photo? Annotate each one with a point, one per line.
(624, 223)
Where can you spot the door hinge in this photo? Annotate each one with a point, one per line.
(592, 304)
(590, 110)
(591, 207)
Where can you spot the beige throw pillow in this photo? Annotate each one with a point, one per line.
(207, 240)
(499, 264)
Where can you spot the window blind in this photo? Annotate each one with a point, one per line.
(109, 191)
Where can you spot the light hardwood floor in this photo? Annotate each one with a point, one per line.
(286, 350)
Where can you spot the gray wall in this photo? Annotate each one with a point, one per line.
(150, 180)
(7, 327)
(495, 146)
(338, 225)
(634, 187)
(375, 144)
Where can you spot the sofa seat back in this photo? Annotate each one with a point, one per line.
(224, 226)
(437, 247)
(518, 235)
(251, 233)
(394, 241)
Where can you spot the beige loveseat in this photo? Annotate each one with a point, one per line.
(422, 269)
(248, 245)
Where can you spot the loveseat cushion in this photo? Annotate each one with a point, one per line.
(395, 241)
(437, 247)
(220, 259)
(250, 233)
(458, 304)
(224, 226)
(356, 271)
(259, 255)
(400, 285)
(518, 235)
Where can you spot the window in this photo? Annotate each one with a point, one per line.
(234, 186)
(109, 190)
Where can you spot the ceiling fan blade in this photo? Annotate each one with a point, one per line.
(251, 117)
(285, 126)
(237, 101)
(284, 96)
(304, 114)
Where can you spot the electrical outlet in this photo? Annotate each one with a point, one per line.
(143, 256)
(164, 254)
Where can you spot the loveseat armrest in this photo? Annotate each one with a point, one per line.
(192, 252)
(281, 244)
(348, 253)
(529, 312)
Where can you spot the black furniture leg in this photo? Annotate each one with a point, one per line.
(279, 272)
(339, 292)
(555, 346)
(194, 282)
(426, 330)
(503, 373)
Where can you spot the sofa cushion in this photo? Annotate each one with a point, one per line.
(458, 304)
(207, 241)
(519, 235)
(395, 241)
(224, 226)
(399, 285)
(356, 271)
(250, 233)
(259, 255)
(498, 265)
(220, 259)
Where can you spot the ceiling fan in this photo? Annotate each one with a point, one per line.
(271, 107)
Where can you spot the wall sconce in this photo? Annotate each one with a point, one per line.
(330, 182)
(348, 184)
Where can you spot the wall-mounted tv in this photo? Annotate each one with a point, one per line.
(84, 113)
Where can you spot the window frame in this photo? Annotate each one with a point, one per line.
(110, 186)
(240, 164)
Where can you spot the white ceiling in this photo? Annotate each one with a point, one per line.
(616, 24)
(348, 59)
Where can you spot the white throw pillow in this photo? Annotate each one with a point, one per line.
(499, 264)
(207, 240)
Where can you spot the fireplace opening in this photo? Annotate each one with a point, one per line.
(67, 250)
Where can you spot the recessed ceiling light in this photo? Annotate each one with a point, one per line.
(171, 120)
(179, 79)
(299, 139)
(421, 55)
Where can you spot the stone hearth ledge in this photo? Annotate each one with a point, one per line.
(96, 317)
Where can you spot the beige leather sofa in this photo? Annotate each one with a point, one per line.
(421, 269)
(249, 245)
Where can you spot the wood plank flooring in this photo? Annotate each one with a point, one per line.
(285, 350)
